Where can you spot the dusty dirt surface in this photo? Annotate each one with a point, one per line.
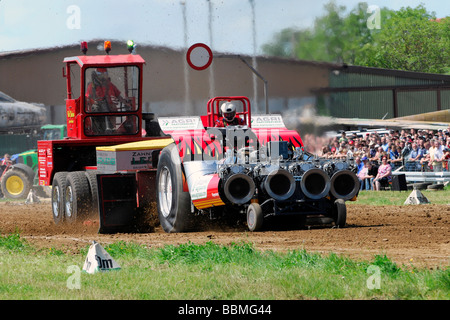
(418, 235)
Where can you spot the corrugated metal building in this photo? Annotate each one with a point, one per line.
(373, 93)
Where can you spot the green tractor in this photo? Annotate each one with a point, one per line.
(18, 179)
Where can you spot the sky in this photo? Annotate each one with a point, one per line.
(30, 24)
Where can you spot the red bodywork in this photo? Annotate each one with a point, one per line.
(207, 143)
(197, 144)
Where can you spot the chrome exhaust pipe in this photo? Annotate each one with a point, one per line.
(279, 184)
(315, 184)
(239, 188)
(344, 185)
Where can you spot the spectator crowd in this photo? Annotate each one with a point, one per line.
(377, 154)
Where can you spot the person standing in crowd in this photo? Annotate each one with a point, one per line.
(437, 156)
(4, 164)
(343, 137)
(359, 164)
(372, 150)
(362, 174)
(378, 155)
(385, 144)
(394, 156)
(413, 162)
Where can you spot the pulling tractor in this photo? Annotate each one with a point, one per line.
(187, 166)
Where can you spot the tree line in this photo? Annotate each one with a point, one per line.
(411, 39)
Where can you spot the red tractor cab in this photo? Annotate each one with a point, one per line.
(108, 103)
(103, 107)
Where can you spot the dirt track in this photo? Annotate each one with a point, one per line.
(420, 233)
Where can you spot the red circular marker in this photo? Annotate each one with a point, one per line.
(199, 56)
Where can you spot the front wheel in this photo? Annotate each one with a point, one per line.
(172, 202)
(255, 217)
(339, 213)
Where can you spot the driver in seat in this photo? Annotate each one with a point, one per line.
(102, 95)
(229, 118)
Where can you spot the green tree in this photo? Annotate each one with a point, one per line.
(283, 44)
(335, 36)
(408, 39)
(411, 39)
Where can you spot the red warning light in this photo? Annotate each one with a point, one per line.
(84, 47)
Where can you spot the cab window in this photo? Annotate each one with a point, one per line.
(113, 89)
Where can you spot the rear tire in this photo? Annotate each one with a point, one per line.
(77, 196)
(173, 203)
(58, 188)
(93, 189)
(15, 184)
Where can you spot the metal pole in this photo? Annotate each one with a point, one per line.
(255, 72)
(262, 78)
(212, 85)
(187, 102)
(254, 62)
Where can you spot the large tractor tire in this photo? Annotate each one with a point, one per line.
(77, 197)
(173, 204)
(93, 189)
(58, 189)
(16, 184)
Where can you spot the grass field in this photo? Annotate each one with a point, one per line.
(380, 198)
(211, 272)
(217, 272)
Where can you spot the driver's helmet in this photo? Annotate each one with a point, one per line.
(228, 110)
(102, 73)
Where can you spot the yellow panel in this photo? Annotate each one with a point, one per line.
(139, 145)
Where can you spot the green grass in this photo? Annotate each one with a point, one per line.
(209, 271)
(11, 200)
(382, 198)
